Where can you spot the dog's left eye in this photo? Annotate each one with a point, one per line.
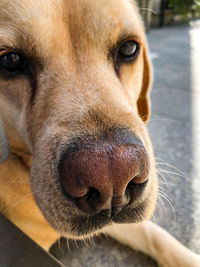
(11, 63)
(128, 51)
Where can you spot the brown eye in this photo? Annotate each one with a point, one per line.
(12, 63)
(128, 51)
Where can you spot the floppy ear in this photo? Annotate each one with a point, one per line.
(143, 102)
(4, 147)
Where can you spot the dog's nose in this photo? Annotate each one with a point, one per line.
(102, 175)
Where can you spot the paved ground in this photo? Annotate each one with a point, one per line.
(175, 131)
(18, 250)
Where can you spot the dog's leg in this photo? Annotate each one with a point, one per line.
(18, 205)
(156, 242)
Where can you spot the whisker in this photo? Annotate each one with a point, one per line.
(19, 182)
(168, 165)
(85, 240)
(76, 243)
(159, 210)
(164, 196)
(161, 176)
(173, 173)
(68, 245)
(165, 119)
(92, 241)
(177, 185)
(21, 198)
(60, 246)
(149, 9)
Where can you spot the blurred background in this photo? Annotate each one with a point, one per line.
(160, 13)
(173, 32)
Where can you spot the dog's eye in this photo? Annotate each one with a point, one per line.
(128, 51)
(12, 63)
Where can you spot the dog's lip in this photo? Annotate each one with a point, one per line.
(114, 214)
(104, 218)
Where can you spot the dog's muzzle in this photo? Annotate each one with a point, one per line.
(104, 173)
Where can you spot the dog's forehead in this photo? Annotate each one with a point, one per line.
(51, 24)
(99, 19)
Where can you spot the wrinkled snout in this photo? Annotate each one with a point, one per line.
(104, 173)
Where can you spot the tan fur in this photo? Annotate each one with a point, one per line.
(78, 93)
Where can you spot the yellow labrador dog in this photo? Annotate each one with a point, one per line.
(74, 82)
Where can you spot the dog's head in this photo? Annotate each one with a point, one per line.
(74, 81)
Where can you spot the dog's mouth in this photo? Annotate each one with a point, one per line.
(76, 224)
(86, 225)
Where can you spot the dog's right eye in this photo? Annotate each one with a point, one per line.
(12, 63)
(125, 52)
(128, 51)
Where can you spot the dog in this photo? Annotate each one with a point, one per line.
(74, 99)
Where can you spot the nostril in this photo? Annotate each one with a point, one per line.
(85, 203)
(129, 190)
(135, 187)
(92, 194)
(130, 185)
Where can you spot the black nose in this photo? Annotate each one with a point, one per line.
(102, 175)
